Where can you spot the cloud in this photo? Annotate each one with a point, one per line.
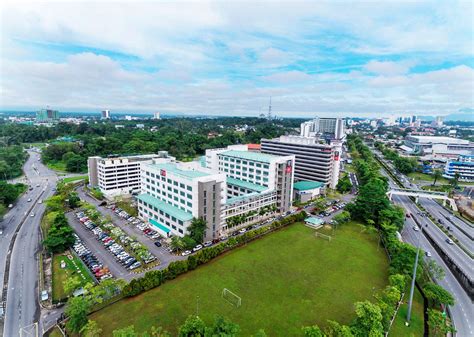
(229, 57)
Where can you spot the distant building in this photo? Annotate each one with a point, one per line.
(47, 116)
(156, 115)
(438, 146)
(328, 128)
(140, 126)
(463, 166)
(315, 159)
(438, 122)
(118, 175)
(105, 114)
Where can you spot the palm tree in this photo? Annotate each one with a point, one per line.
(436, 175)
(177, 244)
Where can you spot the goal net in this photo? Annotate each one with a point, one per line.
(324, 236)
(232, 298)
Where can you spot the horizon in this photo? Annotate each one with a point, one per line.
(212, 58)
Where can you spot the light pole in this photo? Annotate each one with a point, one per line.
(412, 290)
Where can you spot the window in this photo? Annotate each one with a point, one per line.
(189, 188)
(181, 185)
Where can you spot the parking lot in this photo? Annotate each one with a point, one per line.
(97, 248)
(132, 230)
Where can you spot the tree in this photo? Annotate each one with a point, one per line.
(70, 284)
(368, 322)
(312, 331)
(197, 229)
(334, 329)
(73, 200)
(398, 281)
(455, 181)
(438, 323)
(188, 242)
(192, 327)
(437, 295)
(437, 174)
(223, 327)
(344, 184)
(129, 331)
(371, 200)
(177, 244)
(342, 217)
(435, 270)
(77, 309)
(91, 329)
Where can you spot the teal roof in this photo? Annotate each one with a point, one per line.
(186, 174)
(241, 197)
(307, 185)
(160, 226)
(165, 207)
(246, 184)
(314, 221)
(250, 155)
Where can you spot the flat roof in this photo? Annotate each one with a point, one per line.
(241, 197)
(307, 185)
(314, 221)
(165, 207)
(246, 184)
(250, 155)
(189, 174)
(439, 139)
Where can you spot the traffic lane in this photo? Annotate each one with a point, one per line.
(98, 249)
(462, 260)
(463, 307)
(446, 214)
(439, 214)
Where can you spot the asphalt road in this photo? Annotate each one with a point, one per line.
(22, 307)
(462, 311)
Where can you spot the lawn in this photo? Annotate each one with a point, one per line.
(74, 267)
(55, 333)
(416, 327)
(59, 166)
(75, 178)
(286, 280)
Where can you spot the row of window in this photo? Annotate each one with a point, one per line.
(171, 199)
(160, 214)
(243, 161)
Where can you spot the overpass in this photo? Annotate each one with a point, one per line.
(423, 194)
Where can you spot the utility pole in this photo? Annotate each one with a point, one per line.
(410, 303)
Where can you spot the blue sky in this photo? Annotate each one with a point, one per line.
(228, 58)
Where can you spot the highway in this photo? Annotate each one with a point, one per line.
(21, 274)
(463, 309)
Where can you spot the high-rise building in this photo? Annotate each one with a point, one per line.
(117, 175)
(315, 160)
(227, 185)
(47, 116)
(328, 128)
(105, 114)
(156, 115)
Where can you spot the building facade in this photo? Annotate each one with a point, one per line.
(327, 128)
(315, 160)
(105, 114)
(435, 146)
(116, 176)
(172, 194)
(47, 116)
(463, 166)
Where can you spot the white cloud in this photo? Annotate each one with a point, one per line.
(387, 68)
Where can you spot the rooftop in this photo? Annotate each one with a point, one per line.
(241, 197)
(186, 173)
(246, 184)
(314, 221)
(307, 185)
(165, 207)
(439, 139)
(250, 155)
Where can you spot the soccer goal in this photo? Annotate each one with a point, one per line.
(324, 236)
(232, 298)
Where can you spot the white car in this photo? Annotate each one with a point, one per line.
(32, 214)
(29, 199)
(415, 228)
(198, 247)
(40, 202)
(186, 252)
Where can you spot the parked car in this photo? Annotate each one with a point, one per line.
(157, 243)
(198, 247)
(186, 252)
(207, 244)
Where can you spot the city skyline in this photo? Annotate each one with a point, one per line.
(219, 59)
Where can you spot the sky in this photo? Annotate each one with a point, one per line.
(313, 58)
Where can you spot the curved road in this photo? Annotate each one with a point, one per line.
(21, 289)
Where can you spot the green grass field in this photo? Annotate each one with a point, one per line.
(59, 274)
(286, 280)
(76, 178)
(59, 166)
(416, 327)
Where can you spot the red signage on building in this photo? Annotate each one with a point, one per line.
(163, 173)
(288, 166)
(336, 155)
